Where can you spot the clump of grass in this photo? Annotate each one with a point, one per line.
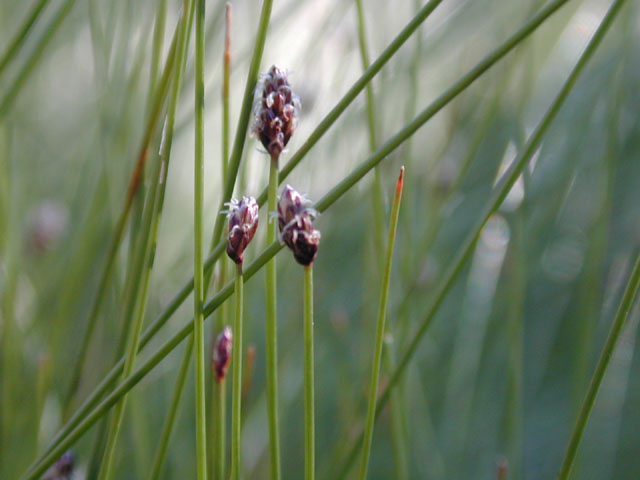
(140, 210)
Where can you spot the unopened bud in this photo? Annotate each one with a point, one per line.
(222, 353)
(295, 219)
(243, 223)
(276, 110)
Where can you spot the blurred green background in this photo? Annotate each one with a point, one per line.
(503, 369)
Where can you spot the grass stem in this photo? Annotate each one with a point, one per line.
(271, 313)
(309, 422)
(198, 289)
(380, 328)
(236, 423)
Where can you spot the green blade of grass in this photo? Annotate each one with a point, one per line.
(309, 400)
(21, 34)
(380, 328)
(18, 83)
(198, 277)
(236, 444)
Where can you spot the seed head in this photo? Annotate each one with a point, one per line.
(295, 219)
(222, 353)
(276, 111)
(243, 223)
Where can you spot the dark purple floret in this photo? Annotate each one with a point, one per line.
(243, 223)
(222, 353)
(276, 112)
(295, 219)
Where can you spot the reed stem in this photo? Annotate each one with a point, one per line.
(380, 328)
(309, 422)
(236, 401)
(271, 330)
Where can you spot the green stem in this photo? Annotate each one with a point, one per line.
(587, 405)
(169, 422)
(501, 191)
(271, 330)
(28, 66)
(397, 437)
(329, 199)
(18, 40)
(221, 387)
(236, 445)
(380, 328)
(309, 423)
(158, 39)
(198, 289)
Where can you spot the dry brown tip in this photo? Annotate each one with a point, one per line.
(400, 183)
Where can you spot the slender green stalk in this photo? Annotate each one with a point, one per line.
(170, 419)
(236, 425)
(18, 39)
(309, 422)
(221, 387)
(397, 436)
(226, 75)
(596, 380)
(158, 39)
(18, 83)
(495, 201)
(376, 186)
(73, 426)
(198, 289)
(271, 313)
(380, 328)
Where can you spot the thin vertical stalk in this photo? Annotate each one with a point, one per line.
(397, 434)
(158, 39)
(309, 422)
(621, 316)
(271, 330)
(236, 445)
(221, 387)
(198, 289)
(376, 187)
(18, 39)
(169, 422)
(382, 314)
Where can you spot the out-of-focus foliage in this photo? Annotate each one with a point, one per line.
(504, 367)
